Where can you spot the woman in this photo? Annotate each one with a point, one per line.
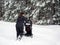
(20, 25)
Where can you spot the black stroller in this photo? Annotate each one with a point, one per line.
(28, 27)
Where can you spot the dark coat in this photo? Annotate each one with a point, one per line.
(20, 25)
(20, 21)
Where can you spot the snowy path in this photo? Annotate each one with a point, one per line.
(42, 35)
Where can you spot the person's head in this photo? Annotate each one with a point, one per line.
(21, 14)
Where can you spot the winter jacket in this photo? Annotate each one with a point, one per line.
(20, 21)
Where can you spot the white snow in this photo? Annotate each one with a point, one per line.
(42, 35)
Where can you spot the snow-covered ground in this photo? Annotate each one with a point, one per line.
(42, 35)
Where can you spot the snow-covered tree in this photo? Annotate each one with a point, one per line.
(40, 11)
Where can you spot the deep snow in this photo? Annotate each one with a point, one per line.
(42, 35)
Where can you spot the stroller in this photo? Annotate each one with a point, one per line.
(28, 27)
